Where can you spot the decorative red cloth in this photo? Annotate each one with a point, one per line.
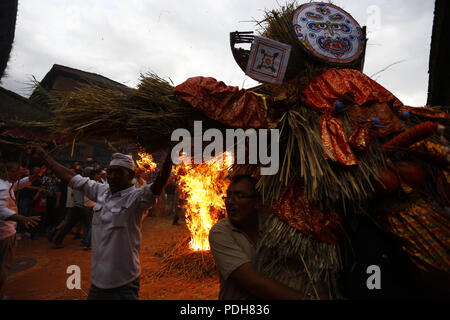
(331, 86)
(426, 112)
(226, 104)
(360, 138)
(417, 133)
(294, 209)
(333, 139)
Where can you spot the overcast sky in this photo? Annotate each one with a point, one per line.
(176, 39)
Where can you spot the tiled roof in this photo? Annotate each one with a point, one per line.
(16, 107)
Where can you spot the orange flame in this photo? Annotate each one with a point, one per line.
(203, 186)
(146, 162)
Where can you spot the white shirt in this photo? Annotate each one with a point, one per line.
(69, 199)
(8, 205)
(116, 231)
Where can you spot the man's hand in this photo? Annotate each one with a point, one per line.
(37, 151)
(28, 222)
(31, 221)
(262, 287)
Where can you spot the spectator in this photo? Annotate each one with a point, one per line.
(103, 177)
(23, 205)
(68, 205)
(76, 215)
(40, 209)
(140, 178)
(9, 217)
(53, 193)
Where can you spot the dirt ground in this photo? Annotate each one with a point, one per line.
(46, 279)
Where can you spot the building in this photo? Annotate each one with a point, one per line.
(63, 80)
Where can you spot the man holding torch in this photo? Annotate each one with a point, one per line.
(116, 223)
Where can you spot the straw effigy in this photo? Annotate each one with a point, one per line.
(149, 114)
(288, 255)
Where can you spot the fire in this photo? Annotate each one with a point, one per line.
(146, 162)
(203, 186)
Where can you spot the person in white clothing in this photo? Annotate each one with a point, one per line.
(9, 216)
(116, 222)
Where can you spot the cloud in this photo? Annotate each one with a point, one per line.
(122, 39)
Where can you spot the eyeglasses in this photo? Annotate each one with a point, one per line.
(239, 196)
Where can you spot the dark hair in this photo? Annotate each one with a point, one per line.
(11, 165)
(93, 173)
(241, 177)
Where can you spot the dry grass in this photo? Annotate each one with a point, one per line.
(178, 259)
(147, 115)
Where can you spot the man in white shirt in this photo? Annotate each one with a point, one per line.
(116, 223)
(9, 216)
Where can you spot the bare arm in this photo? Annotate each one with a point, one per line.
(65, 174)
(33, 188)
(58, 199)
(26, 221)
(7, 214)
(37, 194)
(161, 180)
(262, 287)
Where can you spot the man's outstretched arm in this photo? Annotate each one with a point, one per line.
(38, 153)
(262, 287)
(161, 180)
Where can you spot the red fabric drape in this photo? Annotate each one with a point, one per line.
(228, 105)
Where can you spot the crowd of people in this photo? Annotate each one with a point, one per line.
(61, 209)
(64, 211)
(51, 201)
(109, 204)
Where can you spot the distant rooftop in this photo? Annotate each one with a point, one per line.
(80, 76)
(16, 107)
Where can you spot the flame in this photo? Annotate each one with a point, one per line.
(146, 162)
(203, 186)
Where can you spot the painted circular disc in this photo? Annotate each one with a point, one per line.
(328, 32)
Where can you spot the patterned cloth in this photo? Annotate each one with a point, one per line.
(337, 84)
(228, 105)
(424, 230)
(294, 209)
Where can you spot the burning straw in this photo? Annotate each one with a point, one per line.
(179, 259)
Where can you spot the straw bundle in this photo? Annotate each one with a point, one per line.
(298, 261)
(326, 184)
(147, 115)
(180, 260)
